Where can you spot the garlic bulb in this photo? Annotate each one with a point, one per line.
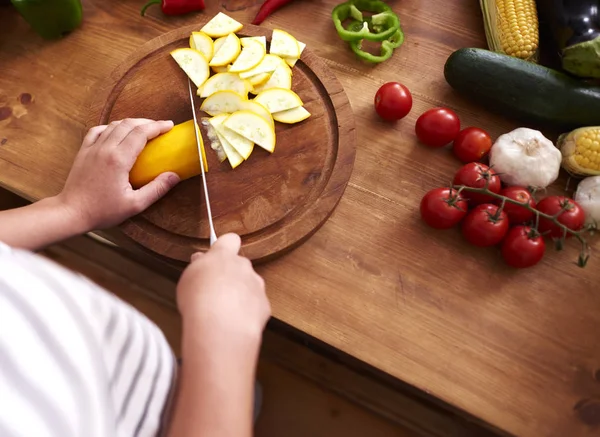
(525, 157)
(588, 197)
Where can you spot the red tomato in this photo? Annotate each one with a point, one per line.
(573, 217)
(393, 101)
(483, 226)
(523, 247)
(472, 144)
(517, 214)
(476, 175)
(442, 209)
(437, 127)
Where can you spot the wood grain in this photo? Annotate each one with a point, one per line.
(517, 349)
(273, 201)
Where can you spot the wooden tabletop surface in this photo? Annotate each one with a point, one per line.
(520, 350)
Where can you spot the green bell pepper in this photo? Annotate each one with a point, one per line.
(379, 27)
(387, 48)
(50, 18)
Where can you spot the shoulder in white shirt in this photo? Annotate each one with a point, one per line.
(76, 361)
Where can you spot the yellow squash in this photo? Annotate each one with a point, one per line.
(174, 151)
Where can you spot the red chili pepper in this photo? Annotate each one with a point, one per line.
(176, 7)
(267, 8)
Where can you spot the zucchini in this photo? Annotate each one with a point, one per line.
(523, 90)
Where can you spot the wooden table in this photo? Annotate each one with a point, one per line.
(519, 350)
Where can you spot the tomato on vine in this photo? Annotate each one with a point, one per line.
(518, 214)
(477, 175)
(443, 208)
(568, 213)
(486, 225)
(523, 247)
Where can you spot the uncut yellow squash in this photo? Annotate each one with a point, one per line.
(174, 151)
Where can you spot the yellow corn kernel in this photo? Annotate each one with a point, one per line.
(581, 151)
(511, 27)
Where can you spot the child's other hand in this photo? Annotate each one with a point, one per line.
(97, 191)
(219, 293)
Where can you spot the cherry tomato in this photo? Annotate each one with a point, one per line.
(472, 144)
(572, 215)
(523, 247)
(476, 175)
(393, 101)
(437, 127)
(483, 226)
(517, 214)
(442, 209)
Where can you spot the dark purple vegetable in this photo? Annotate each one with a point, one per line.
(575, 26)
(571, 21)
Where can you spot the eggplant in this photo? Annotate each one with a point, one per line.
(575, 26)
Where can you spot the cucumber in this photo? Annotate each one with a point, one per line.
(523, 90)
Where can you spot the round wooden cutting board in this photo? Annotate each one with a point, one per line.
(273, 201)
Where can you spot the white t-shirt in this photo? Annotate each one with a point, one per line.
(76, 361)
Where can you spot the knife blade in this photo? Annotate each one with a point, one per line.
(213, 235)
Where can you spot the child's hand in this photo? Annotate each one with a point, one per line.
(220, 293)
(97, 190)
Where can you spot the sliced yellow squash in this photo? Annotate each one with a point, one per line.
(258, 109)
(292, 61)
(267, 65)
(253, 127)
(258, 79)
(203, 43)
(224, 82)
(228, 52)
(283, 44)
(260, 39)
(193, 63)
(278, 99)
(213, 139)
(218, 43)
(222, 102)
(233, 156)
(252, 55)
(281, 78)
(221, 25)
(291, 116)
(242, 146)
(221, 68)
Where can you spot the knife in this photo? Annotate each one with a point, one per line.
(213, 235)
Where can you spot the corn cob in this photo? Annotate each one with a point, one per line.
(581, 151)
(511, 27)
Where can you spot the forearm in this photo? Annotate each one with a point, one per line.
(39, 224)
(216, 387)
